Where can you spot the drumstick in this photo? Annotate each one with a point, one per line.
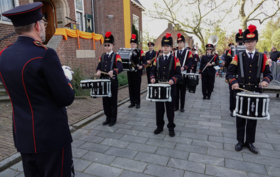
(244, 90)
(105, 73)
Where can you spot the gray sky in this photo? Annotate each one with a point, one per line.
(156, 27)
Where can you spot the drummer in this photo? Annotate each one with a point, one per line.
(249, 82)
(105, 64)
(149, 56)
(169, 70)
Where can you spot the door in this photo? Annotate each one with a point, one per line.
(48, 12)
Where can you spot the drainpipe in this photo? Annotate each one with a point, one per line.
(92, 9)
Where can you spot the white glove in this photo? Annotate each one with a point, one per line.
(67, 71)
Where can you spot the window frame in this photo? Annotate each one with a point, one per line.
(135, 16)
(83, 14)
(16, 3)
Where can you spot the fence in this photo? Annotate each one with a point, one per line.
(275, 70)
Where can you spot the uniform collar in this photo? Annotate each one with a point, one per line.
(109, 53)
(254, 51)
(166, 55)
(23, 37)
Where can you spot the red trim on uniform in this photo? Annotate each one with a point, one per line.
(229, 51)
(266, 78)
(264, 62)
(62, 162)
(152, 77)
(116, 71)
(42, 45)
(235, 58)
(174, 80)
(215, 58)
(10, 101)
(29, 100)
(186, 67)
(24, 11)
(232, 80)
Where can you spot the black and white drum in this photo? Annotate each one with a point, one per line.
(252, 105)
(99, 87)
(192, 81)
(159, 92)
(126, 56)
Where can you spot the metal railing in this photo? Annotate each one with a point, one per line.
(275, 70)
(5, 37)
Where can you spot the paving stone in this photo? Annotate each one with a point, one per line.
(162, 171)
(255, 175)
(152, 158)
(106, 128)
(131, 165)
(127, 173)
(9, 173)
(126, 153)
(161, 143)
(129, 132)
(77, 143)
(208, 144)
(114, 142)
(269, 153)
(191, 148)
(142, 147)
(17, 167)
(94, 147)
(230, 130)
(135, 139)
(206, 159)
(81, 165)
(222, 139)
(192, 174)
(123, 126)
(186, 165)
(151, 135)
(90, 138)
(198, 126)
(80, 174)
(224, 172)
(110, 135)
(178, 139)
(245, 166)
(144, 129)
(261, 160)
(103, 170)
(194, 136)
(99, 157)
(137, 123)
(211, 116)
(225, 154)
(273, 171)
(208, 132)
(172, 153)
(213, 124)
(78, 152)
(78, 133)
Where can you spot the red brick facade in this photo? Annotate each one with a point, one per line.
(67, 49)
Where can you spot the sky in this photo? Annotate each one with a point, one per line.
(156, 27)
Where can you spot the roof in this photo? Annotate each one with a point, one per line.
(138, 4)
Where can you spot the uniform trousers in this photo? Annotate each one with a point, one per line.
(247, 125)
(134, 86)
(180, 95)
(232, 99)
(110, 105)
(207, 84)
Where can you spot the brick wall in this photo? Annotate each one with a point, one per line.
(137, 11)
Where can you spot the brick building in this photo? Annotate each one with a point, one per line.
(96, 16)
(170, 29)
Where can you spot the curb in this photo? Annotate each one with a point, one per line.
(10, 161)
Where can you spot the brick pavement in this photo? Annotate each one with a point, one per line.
(80, 109)
(203, 145)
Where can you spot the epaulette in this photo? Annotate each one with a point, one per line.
(39, 44)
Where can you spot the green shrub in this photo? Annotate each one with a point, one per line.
(77, 77)
(122, 79)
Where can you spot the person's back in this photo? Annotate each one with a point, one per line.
(274, 54)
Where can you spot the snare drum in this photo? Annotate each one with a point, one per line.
(126, 56)
(159, 92)
(99, 87)
(192, 81)
(252, 105)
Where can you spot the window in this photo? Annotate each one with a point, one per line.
(6, 5)
(136, 22)
(80, 14)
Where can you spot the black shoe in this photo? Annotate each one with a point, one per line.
(176, 109)
(182, 110)
(158, 131)
(239, 146)
(106, 122)
(171, 133)
(137, 106)
(112, 124)
(204, 97)
(231, 114)
(131, 105)
(252, 148)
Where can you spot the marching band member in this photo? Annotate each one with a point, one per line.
(195, 60)
(181, 86)
(110, 63)
(228, 59)
(149, 56)
(208, 75)
(135, 77)
(167, 68)
(39, 93)
(249, 82)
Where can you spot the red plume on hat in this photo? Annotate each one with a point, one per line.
(168, 35)
(133, 36)
(252, 28)
(179, 35)
(240, 32)
(108, 34)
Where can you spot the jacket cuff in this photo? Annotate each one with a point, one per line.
(186, 68)
(233, 81)
(174, 80)
(266, 79)
(115, 71)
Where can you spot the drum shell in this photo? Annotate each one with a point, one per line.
(192, 89)
(156, 96)
(192, 80)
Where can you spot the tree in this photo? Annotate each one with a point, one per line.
(146, 39)
(191, 16)
(276, 38)
(256, 14)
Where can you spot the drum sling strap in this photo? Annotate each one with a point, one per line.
(260, 61)
(169, 70)
(112, 61)
(241, 68)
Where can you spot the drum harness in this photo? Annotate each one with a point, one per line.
(184, 62)
(158, 71)
(260, 61)
(112, 64)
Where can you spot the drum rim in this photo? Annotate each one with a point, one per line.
(159, 84)
(253, 94)
(193, 74)
(255, 118)
(96, 80)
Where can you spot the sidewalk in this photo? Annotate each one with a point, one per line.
(79, 110)
(203, 145)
